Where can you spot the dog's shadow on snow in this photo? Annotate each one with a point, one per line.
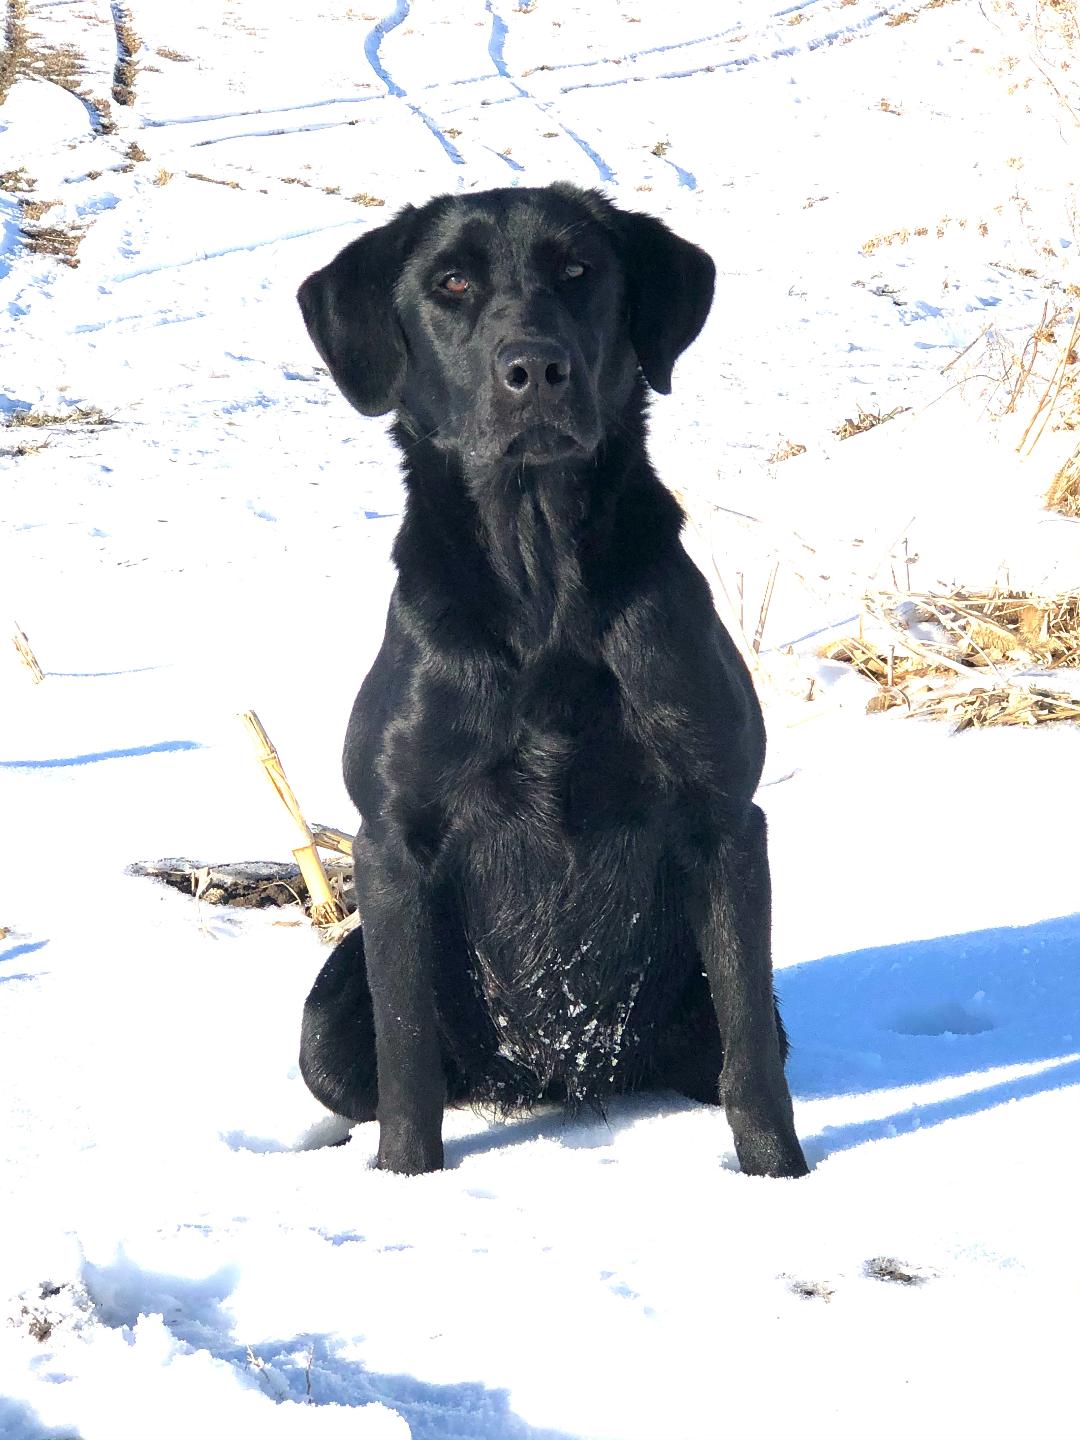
(910, 1014)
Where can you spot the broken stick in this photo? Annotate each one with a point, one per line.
(324, 908)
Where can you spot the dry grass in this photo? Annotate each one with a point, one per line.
(212, 180)
(867, 420)
(55, 240)
(168, 54)
(33, 210)
(135, 152)
(932, 653)
(16, 40)
(127, 44)
(39, 419)
(1036, 379)
(22, 449)
(1001, 705)
(64, 65)
(15, 180)
(786, 450)
(1064, 493)
(363, 198)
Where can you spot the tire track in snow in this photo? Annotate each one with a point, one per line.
(372, 49)
(742, 62)
(496, 46)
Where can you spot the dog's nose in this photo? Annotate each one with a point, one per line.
(538, 366)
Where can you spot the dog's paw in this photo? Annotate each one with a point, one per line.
(766, 1152)
(405, 1150)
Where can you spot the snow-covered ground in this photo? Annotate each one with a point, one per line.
(183, 1250)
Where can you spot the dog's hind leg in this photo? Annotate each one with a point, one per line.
(689, 1056)
(337, 1038)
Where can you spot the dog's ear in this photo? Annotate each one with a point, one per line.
(669, 285)
(348, 308)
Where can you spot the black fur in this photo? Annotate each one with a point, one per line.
(562, 873)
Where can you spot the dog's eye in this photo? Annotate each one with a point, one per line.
(573, 270)
(454, 283)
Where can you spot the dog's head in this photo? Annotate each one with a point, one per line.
(508, 325)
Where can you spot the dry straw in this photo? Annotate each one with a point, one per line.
(934, 654)
(325, 910)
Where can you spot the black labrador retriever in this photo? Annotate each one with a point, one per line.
(562, 874)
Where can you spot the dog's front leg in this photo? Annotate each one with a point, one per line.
(400, 940)
(734, 924)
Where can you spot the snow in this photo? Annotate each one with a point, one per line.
(185, 1248)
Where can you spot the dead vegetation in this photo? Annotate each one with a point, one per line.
(866, 420)
(809, 1289)
(1035, 378)
(25, 53)
(211, 179)
(896, 1272)
(1064, 492)
(43, 419)
(248, 885)
(59, 241)
(361, 198)
(15, 180)
(127, 44)
(15, 45)
(22, 448)
(786, 450)
(967, 657)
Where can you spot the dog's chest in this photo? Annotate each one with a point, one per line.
(562, 763)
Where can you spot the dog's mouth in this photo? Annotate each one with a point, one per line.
(539, 443)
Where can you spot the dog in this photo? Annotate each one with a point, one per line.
(561, 870)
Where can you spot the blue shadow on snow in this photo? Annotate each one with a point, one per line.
(162, 747)
(957, 1005)
(14, 951)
